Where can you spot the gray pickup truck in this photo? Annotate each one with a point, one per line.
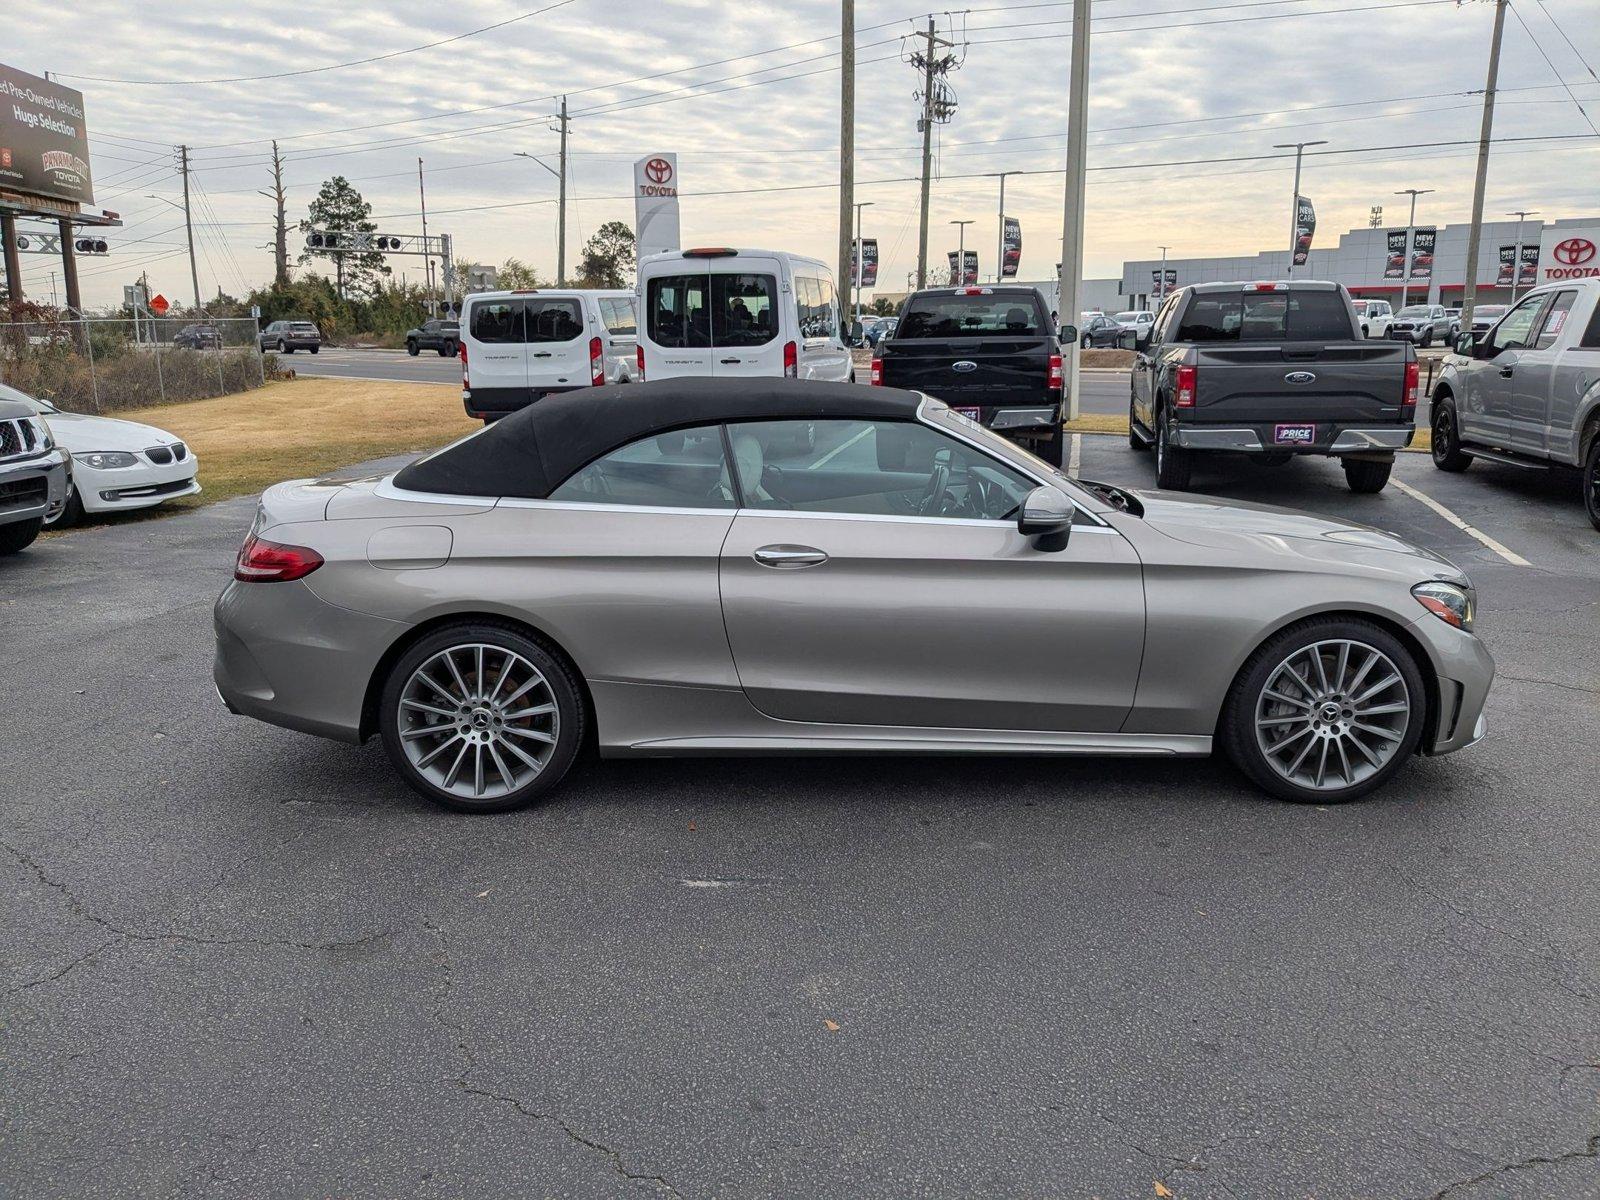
(1271, 370)
(33, 475)
(1527, 391)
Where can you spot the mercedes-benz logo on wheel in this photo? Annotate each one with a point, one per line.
(1574, 252)
(1299, 377)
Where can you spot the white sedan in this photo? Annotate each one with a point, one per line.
(116, 465)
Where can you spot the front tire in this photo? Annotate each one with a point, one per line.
(1174, 464)
(314, 349)
(1447, 452)
(412, 349)
(1365, 476)
(19, 535)
(283, 348)
(1325, 711)
(1427, 339)
(481, 718)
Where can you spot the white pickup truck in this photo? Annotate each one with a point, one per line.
(1527, 391)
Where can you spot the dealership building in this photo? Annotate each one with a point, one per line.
(1364, 260)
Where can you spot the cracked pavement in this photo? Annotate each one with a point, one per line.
(239, 962)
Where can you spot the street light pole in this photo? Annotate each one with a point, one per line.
(847, 143)
(859, 257)
(1521, 215)
(1299, 149)
(1411, 224)
(1070, 272)
(1000, 235)
(959, 275)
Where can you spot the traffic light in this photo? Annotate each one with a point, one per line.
(90, 246)
(313, 241)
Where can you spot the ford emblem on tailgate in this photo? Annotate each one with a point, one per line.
(1299, 377)
(964, 365)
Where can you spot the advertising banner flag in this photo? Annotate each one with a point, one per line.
(1013, 248)
(655, 204)
(1508, 267)
(44, 145)
(1162, 284)
(970, 275)
(1394, 266)
(1305, 227)
(865, 252)
(1529, 275)
(1422, 241)
(952, 257)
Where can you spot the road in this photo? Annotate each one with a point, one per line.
(241, 962)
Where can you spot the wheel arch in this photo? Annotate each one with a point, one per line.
(415, 633)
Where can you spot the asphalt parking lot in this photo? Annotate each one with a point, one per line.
(243, 962)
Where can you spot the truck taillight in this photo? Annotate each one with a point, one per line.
(261, 561)
(1057, 380)
(791, 360)
(877, 372)
(465, 380)
(597, 362)
(1413, 383)
(641, 364)
(1184, 395)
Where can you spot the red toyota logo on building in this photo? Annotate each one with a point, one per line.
(5, 156)
(1574, 252)
(659, 170)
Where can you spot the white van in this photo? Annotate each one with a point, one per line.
(735, 313)
(517, 347)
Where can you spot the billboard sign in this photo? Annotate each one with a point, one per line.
(1569, 253)
(655, 204)
(1422, 243)
(1305, 227)
(1394, 267)
(865, 253)
(1529, 275)
(44, 145)
(1012, 239)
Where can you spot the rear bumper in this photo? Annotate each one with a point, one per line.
(33, 487)
(1328, 438)
(490, 404)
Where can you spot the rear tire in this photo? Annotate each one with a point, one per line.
(19, 535)
(1447, 452)
(1364, 476)
(1591, 481)
(1052, 448)
(1174, 465)
(448, 350)
(283, 348)
(412, 349)
(314, 349)
(545, 683)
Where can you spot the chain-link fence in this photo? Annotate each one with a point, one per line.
(108, 364)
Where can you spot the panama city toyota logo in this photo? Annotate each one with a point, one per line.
(1574, 252)
(659, 170)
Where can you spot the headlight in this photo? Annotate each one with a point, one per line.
(106, 460)
(1450, 602)
(46, 441)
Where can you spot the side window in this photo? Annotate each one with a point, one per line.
(554, 320)
(617, 313)
(879, 468)
(828, 305)
(1591, 335)
(744, 309)
(685, 469)
(1515, 330)
(1163, 326)
(497, 321)
(676, 311)
(806, 297)
(1555, 320)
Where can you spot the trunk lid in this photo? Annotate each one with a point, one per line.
(1342, 381)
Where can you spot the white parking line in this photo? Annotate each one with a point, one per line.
(1511, 556)
(1076, 456)
(376, 378)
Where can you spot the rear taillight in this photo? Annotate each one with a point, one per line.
(1057, 379)
(877, 372)
(641, 363)
(791, 360)
(261, 561)
(1184, 396)
(1413, 383)
(465, 381)
(597, 362)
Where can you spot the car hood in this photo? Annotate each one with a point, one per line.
(81, 433)
(1239, 526)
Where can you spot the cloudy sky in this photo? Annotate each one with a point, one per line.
(747, 94)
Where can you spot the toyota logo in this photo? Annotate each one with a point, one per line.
(1574, 252)
(659, 170)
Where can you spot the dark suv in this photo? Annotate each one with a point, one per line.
(198, 337)
(288, 336)
(443, 336)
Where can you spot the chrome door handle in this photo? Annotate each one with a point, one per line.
(790, 556)
(1505, 372)
(729, 361)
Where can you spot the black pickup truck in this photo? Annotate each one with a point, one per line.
(990, 353)
(1271, 370)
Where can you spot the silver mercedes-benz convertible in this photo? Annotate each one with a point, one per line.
(781, 567)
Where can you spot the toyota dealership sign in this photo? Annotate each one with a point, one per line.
(44, 146)
(1569, 252)
(655, 204)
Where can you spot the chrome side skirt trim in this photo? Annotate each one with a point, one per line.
(855, 739)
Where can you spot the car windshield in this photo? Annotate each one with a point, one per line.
(947, 316)
(1489, 310)
(1414, 311)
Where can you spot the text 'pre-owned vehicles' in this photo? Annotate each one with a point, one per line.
(33, 473)
(990, 353)
(1528, 391)
(733, 313)
(1423, 324)
(519, 347)
(437, 334)
(669, 569)
(117, 465)
(1271, 370)
(288, 336)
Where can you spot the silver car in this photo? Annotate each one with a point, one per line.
(671, 568)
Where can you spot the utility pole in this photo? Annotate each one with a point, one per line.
(188, 225)
(1411, 225)
(1469, 295)
(1000, 237)
(1522, 214)
(859, 257)
(958, 277)
(427, 259)
(561, 219)
(847, 144)
(1071, 270)
(932, 66)
(1299, 149)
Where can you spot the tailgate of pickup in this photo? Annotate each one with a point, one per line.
(1287, 381)
(971, 372)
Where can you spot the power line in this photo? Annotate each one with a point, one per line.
(1537, 45)
(1579, 53)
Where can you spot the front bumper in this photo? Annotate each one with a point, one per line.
(139, 486)
(1330, 438)
(33, 487)
(1465, 672)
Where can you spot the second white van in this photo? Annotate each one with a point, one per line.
(740, 313)
(517, 347)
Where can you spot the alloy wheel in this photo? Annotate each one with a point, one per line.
(1332, 714)
(478, 721)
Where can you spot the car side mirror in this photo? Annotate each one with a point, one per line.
(1068, 333)
(1046, 514)
(1128, 339)
(1466, 343)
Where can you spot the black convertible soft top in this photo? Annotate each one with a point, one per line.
(531, 452)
